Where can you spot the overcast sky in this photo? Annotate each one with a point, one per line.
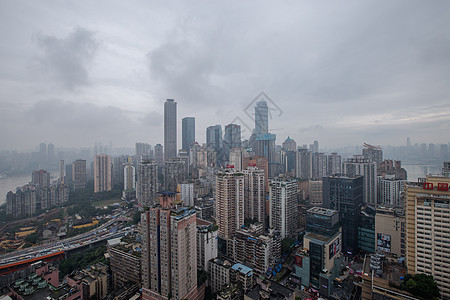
(340, 72)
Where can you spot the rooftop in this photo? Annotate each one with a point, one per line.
(322, 211)
(243, 269)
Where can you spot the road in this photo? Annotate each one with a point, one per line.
(106, 231)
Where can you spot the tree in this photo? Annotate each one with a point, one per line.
(421, 285)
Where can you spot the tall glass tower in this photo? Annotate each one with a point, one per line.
(261, 118)
(170, 129)
(188, 132)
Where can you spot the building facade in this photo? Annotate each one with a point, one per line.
(170, 129)
(147, 183)
(283, 206)
(102, 173)
(187, 132)
(427, 230)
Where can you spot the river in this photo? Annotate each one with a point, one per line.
(11, 183)
(416, 171)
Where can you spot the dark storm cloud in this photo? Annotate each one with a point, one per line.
(67, 60)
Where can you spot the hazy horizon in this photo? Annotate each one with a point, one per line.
(343, 73)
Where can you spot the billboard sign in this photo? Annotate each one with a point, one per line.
(384, 242)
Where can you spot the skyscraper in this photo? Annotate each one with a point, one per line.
(170, 129)
(358, 165)
(143, 150)
(214, 137)
(320, 165)
(261, 118)
(265, 146)
(159, 155)
(174, 173)
(232, 138)
(254, 194)
(334, 164)
(147, 183)
(283, 206)
(304, 163)
(373, 153)
(61, 172)
(102, 173)
(79, 174)
(169, 251)
(40, 178)
(345, 194)
(289, 144)
(129, 180)
(188, 132)
(229, 202)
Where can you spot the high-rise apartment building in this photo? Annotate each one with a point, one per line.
(147, 183)
(315, 192)
(261, 118)
(254, 194)
(358, 165)
(232, 138)
(304, 164)
(283, 206)
(185, 192)
(256, 250)
(265, 147)
(320, 165)
(391, 191)
(129, 180)
(79, 174)
(62, 174)
(345, 194)
(187, 132)
(169, 251)
(174, 173)
(102, 173)
(40, 178)
(334, 164)
(214, 137)
(289, 144)
(427, 230)
(206, 243)
(143, 151)
(261, 163)
(170, 129)
(373, 153)
(230, 207)
(159, 155)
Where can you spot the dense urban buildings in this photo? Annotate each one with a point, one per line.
(170, 129)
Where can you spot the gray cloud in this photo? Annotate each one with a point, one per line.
(67, 60)
(342, 73)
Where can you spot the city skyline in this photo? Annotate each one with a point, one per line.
(358, 74)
